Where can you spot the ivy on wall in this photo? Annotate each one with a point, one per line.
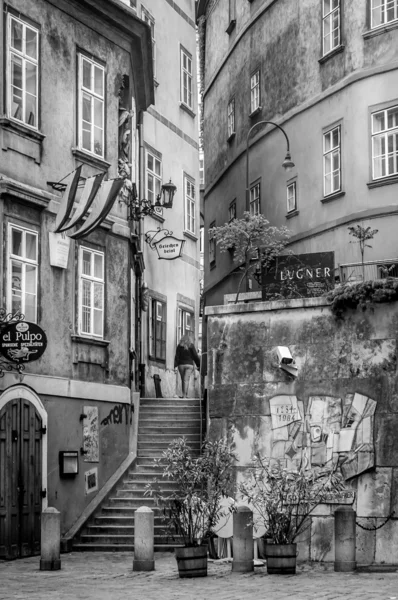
(362, 295)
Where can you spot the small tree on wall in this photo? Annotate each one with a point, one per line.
(362, 235)
(255, 243)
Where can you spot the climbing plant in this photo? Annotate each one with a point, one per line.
(362, 295)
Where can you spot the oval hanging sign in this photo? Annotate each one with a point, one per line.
(22, 342)
(169, 247)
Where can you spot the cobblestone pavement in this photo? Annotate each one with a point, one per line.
(109, 576)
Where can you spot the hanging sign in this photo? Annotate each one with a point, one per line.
(166, 245)
(299, 276)
(22, 342)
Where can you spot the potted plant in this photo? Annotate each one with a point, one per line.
(282, 501)
(192, 508)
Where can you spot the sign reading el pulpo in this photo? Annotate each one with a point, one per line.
(22, 342)
(299, 276)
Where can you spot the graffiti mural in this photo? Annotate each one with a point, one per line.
(329, 430)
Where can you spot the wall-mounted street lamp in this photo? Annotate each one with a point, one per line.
(142, 208)
(287, 164)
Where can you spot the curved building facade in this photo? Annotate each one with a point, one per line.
(325, 71)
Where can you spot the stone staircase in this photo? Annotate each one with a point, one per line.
(161, 420)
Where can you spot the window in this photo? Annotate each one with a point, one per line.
(153, 177)
(201, 169)
(91, 292)
(157, 330)
(331, 161)
(148, 18)
(231, 117)
(254, 206)
(91, 105)
(383, 12)
(232, 211)
(23, 71)
(189, 187)
(212, 246)
(291, 197)
(331, 25)
(133, 5)
(23, 272)
(186, 79)
(385, 142)
(185, 322)
(255, 92)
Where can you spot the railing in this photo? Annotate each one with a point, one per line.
(370, 270)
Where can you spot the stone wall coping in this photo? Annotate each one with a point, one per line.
(242, 307)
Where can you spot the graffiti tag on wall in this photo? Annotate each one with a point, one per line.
(115, 416)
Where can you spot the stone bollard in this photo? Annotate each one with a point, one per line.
(50, 540)
(242, 541)
(344, 539)
(143, 540)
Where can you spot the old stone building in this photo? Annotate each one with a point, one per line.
(78, 77)
(327, 73)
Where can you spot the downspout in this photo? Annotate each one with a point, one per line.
(139, 279)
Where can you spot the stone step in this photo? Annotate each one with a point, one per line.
(121, 521)
(112, 530)
(168, 401)
(164, 440)
(119, 539)
(161, 414)
(173, 432)
(96, 547)
(147, 453)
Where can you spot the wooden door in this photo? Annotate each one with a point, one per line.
(20, 479)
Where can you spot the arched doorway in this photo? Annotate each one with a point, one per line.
(23, 428)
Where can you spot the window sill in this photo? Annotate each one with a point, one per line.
(80, 339)
(255, 112)
(161, 362)
(212, 265)
(188, 110)
(155, 82)
(382, 181)
(332, 197)
(379, 30)
(91, 159)
(330, 54)
(231, 26)
(22, 129)
(190, 235)
(231, 137)
(292, 213)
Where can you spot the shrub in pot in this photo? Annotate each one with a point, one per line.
(192, 508)
(283, 501)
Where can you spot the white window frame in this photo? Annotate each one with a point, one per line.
(190, 204)
(186, 75)
(331, 154)
(152, 190)
(388, 139)
(255, 199)
(291, 197)
(24, 262)
(95, 283)
(212, 246)
(231, 117)
(148, 18)
(232, 211)
(94, 97)
(185, 321)
(255, 91)
(383, 6)
(26, 61)
(331, 23)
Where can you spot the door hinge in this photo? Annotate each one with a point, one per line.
(43, 493)
(43, 430)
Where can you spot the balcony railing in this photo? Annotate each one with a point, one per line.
(370, 270)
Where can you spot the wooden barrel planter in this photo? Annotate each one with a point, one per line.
(192, 562)
(281, 559)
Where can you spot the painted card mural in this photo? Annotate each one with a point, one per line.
(90, 434)
(330, 430)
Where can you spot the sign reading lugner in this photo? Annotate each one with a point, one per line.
(299, 276)
(169, 247)
(22, 342)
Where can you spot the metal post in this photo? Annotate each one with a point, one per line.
(344, 539)
(242, 541)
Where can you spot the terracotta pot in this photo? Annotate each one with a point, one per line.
(192, 562)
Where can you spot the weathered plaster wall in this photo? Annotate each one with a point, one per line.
(335, 359)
